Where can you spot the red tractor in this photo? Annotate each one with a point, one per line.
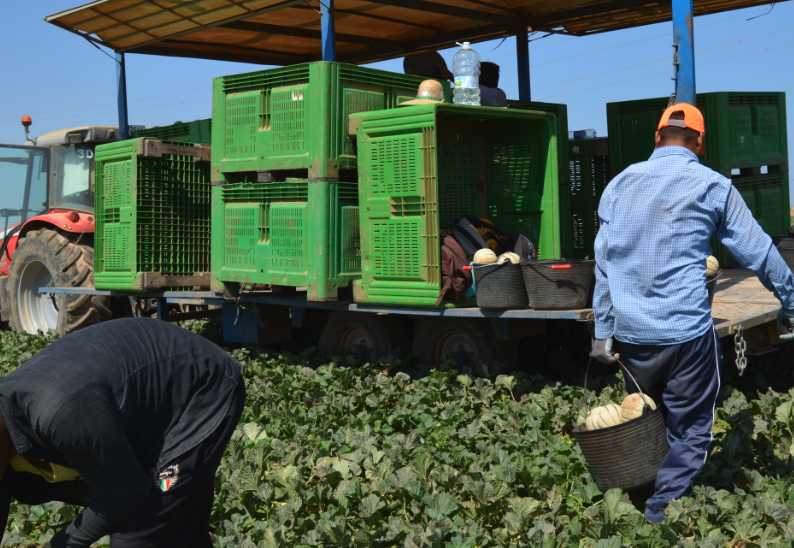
(47, 229)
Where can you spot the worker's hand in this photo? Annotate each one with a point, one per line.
(602, 351)
(785, 324)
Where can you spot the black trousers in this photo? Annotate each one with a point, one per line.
(177, 513)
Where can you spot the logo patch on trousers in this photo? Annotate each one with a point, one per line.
(166, 478)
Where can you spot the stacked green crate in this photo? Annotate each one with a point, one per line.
(422, 167)
(152, 215)
(199, 131)
(567, 248)
(294, 233)
(294, 119)
(589, 170)
(745, 131)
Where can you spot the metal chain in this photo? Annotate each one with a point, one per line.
(740, 345)
(80, 237)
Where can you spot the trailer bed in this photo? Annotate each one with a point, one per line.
(740, 299)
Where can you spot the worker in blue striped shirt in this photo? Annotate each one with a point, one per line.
(651, 302)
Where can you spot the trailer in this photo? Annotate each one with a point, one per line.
(290, 32)
(743, 310)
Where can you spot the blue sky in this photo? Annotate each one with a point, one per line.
(62, 81)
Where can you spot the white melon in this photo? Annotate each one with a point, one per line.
(484, 256)
(514, 258)
(604, 417)
(632, 406)
(712, 266)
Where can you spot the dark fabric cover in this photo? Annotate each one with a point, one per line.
(517, 243)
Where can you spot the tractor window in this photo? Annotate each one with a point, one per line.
(73, 177)
(23, 184)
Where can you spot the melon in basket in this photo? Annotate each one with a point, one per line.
(632, 406)
(712, 266)
(604, 417)
(484, 256)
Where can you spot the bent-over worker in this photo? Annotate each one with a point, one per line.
(656, 220)
(129, 418)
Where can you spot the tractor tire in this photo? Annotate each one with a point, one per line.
(370, 336)
(465, 341)
(46, 257)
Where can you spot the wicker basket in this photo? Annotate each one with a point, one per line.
(500, 287)
(711, 286)
(557, 284)
(628, 455)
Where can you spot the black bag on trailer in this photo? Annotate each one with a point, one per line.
(466, 234)
(518, 243)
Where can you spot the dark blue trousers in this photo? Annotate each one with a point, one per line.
(685, 379)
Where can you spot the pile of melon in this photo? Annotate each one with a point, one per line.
(612, 414)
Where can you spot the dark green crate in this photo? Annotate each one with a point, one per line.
(589, 172)
(422, 167)
(295, 233)
(295, 118)
(152, 212)
(561, 112)
(743, 130)
(199, 131)
(767, 197)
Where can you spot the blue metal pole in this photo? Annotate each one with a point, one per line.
(522, 60)
(328, 33)
(121, 87)
(684, 44)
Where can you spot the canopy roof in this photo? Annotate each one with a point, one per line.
(283, 32)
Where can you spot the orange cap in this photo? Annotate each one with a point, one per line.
(693, 119)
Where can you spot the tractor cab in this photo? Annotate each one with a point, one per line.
(71, 171)
(46, 213)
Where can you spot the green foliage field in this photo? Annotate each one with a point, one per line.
(333, 452)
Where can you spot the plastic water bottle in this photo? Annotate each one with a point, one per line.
(466, 69)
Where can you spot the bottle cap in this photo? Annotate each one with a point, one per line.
(464, 45)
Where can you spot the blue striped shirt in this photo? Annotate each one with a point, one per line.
(656, 221)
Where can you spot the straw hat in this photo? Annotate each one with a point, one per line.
(430, 92)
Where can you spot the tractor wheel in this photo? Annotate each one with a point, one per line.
(368, 335)
(467, 342)
(47, 258)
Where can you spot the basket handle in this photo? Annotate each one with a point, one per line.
(587, 370)
(560, 267)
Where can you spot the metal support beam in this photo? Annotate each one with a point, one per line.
(684, 45)
(327, 30)
(121, 88)
(452, 10)
(522, 60)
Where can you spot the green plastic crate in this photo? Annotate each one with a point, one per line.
(152, 215)
(589, 171)
(199, 131)
(295, 233)
(743, 130)
(763, 195)
(421, 167)
(295, 118)
(561, 112)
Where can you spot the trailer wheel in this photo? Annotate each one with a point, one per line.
(465, 341)
(45, 257)
(368, 335)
